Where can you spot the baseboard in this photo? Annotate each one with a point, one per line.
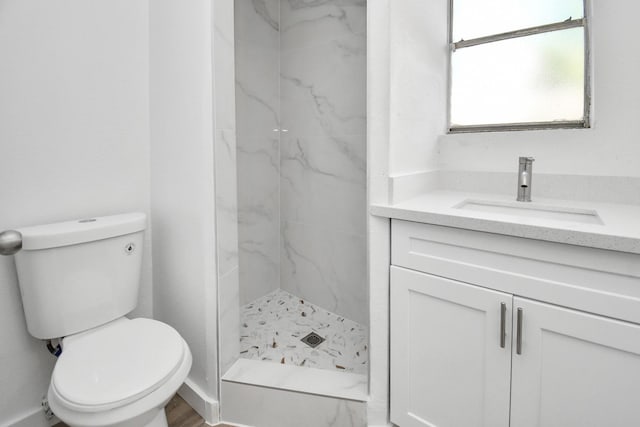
(205, 406)
(32, 418)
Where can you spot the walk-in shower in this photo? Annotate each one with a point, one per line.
(301, 142)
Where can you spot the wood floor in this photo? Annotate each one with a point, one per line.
(179, 414)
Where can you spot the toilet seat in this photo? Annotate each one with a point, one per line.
(116, 364)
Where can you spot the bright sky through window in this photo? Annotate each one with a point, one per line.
(538, 78)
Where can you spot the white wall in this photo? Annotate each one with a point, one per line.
(73, 143)
(609, 148)
(418, 83)
(182, 180)
(378, 229)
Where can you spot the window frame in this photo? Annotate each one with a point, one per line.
(585, 123)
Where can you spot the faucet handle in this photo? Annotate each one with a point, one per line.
(525, 159)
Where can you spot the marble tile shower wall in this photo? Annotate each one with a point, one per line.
(322, 153)
(301, 67)
(257, 98)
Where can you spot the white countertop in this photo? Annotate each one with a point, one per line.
(619, 230)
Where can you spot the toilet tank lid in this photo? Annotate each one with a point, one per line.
(81, 230)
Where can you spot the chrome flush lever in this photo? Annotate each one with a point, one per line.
(10, 242)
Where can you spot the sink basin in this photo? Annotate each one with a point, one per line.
(532, 210)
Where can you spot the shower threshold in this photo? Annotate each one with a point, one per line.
(321, 382)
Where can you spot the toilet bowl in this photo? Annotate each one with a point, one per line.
(121, 374)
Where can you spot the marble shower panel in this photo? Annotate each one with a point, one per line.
(278, 408)
(301, 120)
(322, 154)
(258, 106)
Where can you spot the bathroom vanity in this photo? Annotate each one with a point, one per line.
(506, 318)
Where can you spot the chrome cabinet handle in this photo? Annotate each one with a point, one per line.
(519, 332)
(503, 324)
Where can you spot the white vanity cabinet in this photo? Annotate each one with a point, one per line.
(455, 358)
(575, 369)
(447, 365)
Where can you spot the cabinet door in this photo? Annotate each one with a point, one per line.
(575, 369)
(448, 368)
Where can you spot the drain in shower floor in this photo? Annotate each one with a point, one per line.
(312, 340)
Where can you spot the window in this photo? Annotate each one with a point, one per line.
(518, 64)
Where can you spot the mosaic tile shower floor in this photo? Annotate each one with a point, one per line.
(272, 326)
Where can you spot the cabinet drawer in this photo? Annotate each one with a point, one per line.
(588, 279)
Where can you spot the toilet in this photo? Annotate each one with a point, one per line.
(78, 280)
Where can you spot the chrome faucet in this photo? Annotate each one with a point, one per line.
(525, 174)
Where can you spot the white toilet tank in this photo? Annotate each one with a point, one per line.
(79, 274)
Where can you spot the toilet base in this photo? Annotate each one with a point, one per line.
(160, 420)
